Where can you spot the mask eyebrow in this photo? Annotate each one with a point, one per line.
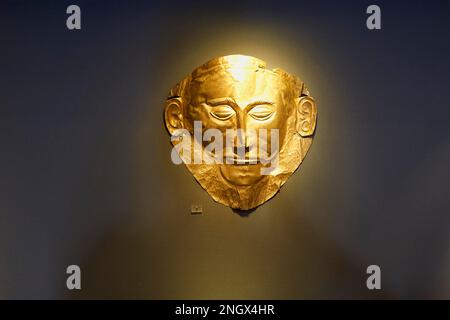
(220, 102)
(259, 102)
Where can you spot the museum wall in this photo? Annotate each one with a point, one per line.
(87, 177)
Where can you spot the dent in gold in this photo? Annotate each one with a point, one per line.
(239, 92)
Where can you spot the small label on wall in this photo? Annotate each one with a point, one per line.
(196, 209)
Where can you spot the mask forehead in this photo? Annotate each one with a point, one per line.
(244, 85)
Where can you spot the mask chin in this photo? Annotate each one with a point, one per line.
(241, 175)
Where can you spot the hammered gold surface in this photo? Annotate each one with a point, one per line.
(239, 92)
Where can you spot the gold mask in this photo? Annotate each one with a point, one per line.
(238, 94)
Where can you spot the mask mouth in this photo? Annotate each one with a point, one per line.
(242, 162)
(234, 160)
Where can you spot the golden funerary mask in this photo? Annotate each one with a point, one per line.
(240, 129)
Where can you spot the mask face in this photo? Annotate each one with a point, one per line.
(241, 129)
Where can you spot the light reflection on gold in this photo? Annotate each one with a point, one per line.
(239, 92)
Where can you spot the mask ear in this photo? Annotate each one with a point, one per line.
(173, 115)
(306, 116)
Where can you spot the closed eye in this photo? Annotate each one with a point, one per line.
(222, 112)
(261, 113)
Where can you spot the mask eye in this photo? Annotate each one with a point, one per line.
(261, 113)
(222, 112)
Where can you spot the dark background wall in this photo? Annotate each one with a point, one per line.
(86, 176)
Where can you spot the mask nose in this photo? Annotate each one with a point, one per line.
(245, 141)
(241, 149)
(246, 144)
